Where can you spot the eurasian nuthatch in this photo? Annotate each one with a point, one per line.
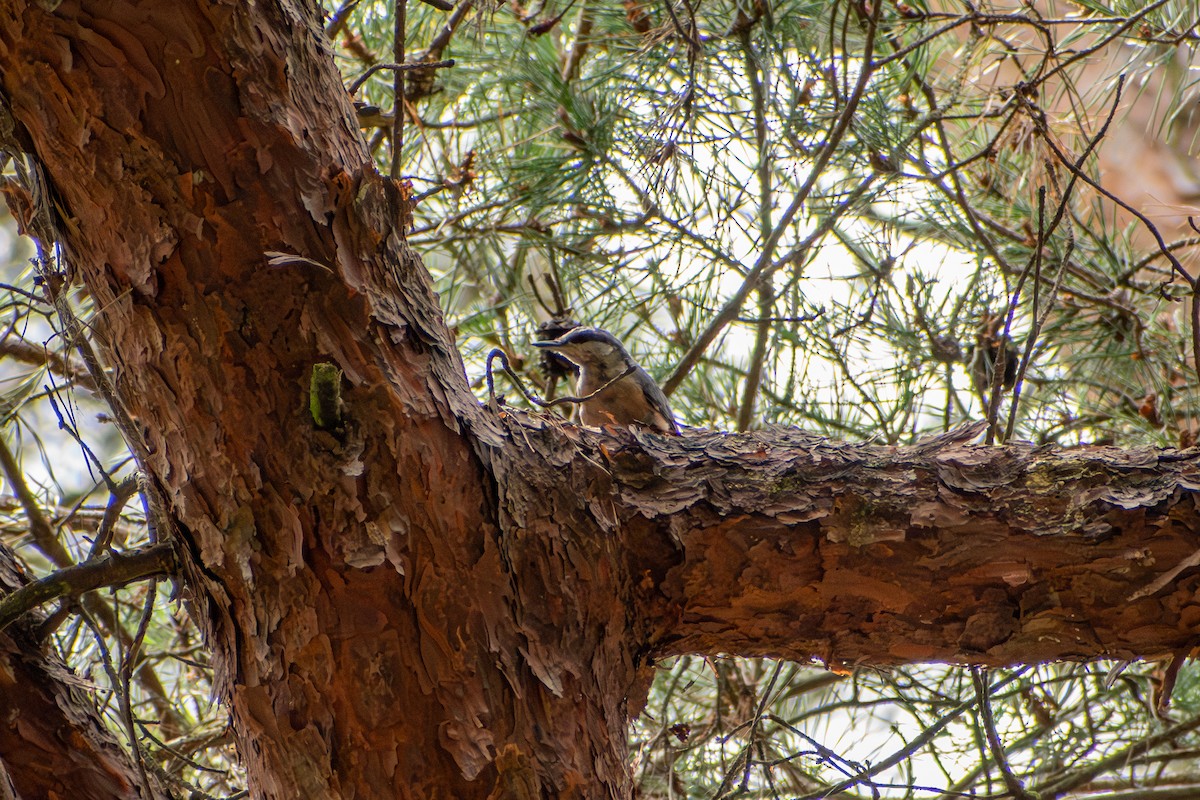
(633, 400)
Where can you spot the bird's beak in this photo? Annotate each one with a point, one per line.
(550, 345)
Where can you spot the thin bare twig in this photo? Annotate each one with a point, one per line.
(126, 489)
(1039, 318)
(69, 426)
(1146, 260)
(398, 68)
(995, 746)
(129, 658)
(398, 34)
(766, 293)
(439, 43)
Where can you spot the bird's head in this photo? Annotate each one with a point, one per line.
(589, 347)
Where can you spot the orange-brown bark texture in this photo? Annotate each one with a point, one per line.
(441, 600)
(369, 630)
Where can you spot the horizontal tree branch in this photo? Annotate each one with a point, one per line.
(40, 355)
(780, 543)
(113, 569)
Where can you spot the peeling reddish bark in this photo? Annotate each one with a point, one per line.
(795, 547)
(367, 628)
(446, 603)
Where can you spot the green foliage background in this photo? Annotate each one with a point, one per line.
(653, 180)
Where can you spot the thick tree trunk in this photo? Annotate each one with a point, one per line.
(368, 629)
(440, 601)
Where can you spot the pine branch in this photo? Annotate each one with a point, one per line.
(112, 569)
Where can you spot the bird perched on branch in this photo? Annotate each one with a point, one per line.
(627, 395)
